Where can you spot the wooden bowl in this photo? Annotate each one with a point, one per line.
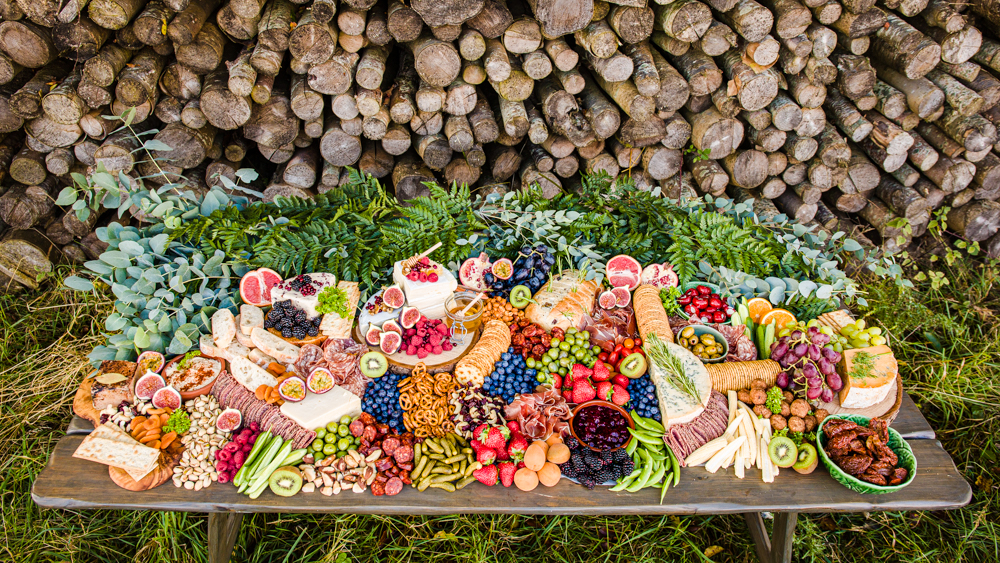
(612, 406)
(190, 394)
(317, 340)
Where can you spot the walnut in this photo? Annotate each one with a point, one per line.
(758, 396)
(744, 396)
(786, 409)
(758, 384)
(811, 423)
(820, 414)
(761, 411)
(796, 424)
(800, 408)
(788, 396)
(778, 422)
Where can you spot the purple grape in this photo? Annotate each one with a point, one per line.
(821, 339)
(809, 370)
(834, 381)
(831, 354)
(813, 393)
(812, 331)
(797, 335)
(826, 395)
(779, 349)
(800, 349)
(814, 381)
(782, 380)
(825, 367)
(813, 351)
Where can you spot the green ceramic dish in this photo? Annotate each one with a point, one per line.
(896, 442)
(702, 329)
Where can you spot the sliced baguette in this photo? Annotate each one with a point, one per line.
(243, 339)
(250, 375)
(250, 316)
(207, 347)
(223, 328)
(236, 350)
(261, 359)
(274, 346)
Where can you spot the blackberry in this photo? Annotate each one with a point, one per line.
(593, 461)
(619, 455)
(313, 331)
(577, 463)
(572, 443)
(605, 475)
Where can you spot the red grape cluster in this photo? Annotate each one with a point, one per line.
(809, 366)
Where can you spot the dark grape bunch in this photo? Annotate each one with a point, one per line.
(531, 269)
(303, 284)
(642, 398)
(510, 377)
(809, 364)
(381, 400)
(291, 321)
(592, 468)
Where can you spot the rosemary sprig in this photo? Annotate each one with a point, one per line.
(672, 366)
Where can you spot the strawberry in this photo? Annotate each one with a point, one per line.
(495, 437)
(619, 395)
(513, 426)
(580, 371)
(557, 381)
(604, 390)
(479, 431)
(620, 379)
(583, 391)
(507, 471)
(568, 395)
(601, 372)
(518, 443)
(502, 454)
(520, 465)
(486, 456)
(486, 475)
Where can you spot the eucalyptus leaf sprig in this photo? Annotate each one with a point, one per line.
(672, 366)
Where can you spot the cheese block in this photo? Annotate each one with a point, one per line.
(223, 328)
(308, 303)
(243, 339)
(274, 346)
(249, 317)
(335, 326)
(677, 407)
(563, 302)
(316, 411)
(868, 382)
(427, 297)
(250, 375)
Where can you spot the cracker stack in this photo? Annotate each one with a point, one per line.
(472, 369)
(650, 316)
(733, 376)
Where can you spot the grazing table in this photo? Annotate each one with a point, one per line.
(70, 483)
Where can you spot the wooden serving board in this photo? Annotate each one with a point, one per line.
(887, 409)
(444, 362)
(169, 459)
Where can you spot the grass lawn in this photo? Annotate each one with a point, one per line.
(947, 341)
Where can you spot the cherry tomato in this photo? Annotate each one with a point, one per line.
(619, 349)
(718, 317)
(638, 341)
(629, 343)
(603, 356)
(613, 358)
(704, 290)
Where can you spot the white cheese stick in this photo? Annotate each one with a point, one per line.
(731, 429)
(705, 453)
(725, 454)
(732, 405)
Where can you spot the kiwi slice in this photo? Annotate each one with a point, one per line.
(285, 481)
(633, 366)
(374, 364)
(782, 451)
(806, 460)
(520, 296)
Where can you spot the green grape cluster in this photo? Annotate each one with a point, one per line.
(858, 335)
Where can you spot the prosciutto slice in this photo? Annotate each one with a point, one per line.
(540, 414)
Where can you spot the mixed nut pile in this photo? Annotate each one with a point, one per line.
(197, 466)
(471, 407)
(331, 475)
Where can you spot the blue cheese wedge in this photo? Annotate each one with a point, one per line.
(316, 411)
(677, 407)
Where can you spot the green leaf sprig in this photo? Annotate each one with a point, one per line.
(333, 300)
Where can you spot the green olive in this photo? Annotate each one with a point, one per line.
(698, 350)
(707, 339)
(694, 340)
(688, 332)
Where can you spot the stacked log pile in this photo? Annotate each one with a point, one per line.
(841, 113)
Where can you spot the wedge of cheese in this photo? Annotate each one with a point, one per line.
(676, 406)
(863, 386)
(335, 326)
(317, 410)
(274, 346)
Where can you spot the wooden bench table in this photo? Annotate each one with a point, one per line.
(71, 483)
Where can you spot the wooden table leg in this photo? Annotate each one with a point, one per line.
(776, 548)
(781, 538)
(223, 531)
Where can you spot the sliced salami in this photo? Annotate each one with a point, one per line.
(357, 428)
(402, 454)
(394, 486)
(378, 488)
(389, 444)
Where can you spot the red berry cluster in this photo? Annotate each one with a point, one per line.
(423, 271)
(703, 304)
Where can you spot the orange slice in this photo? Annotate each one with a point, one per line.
(779, 316)
(758, 307)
